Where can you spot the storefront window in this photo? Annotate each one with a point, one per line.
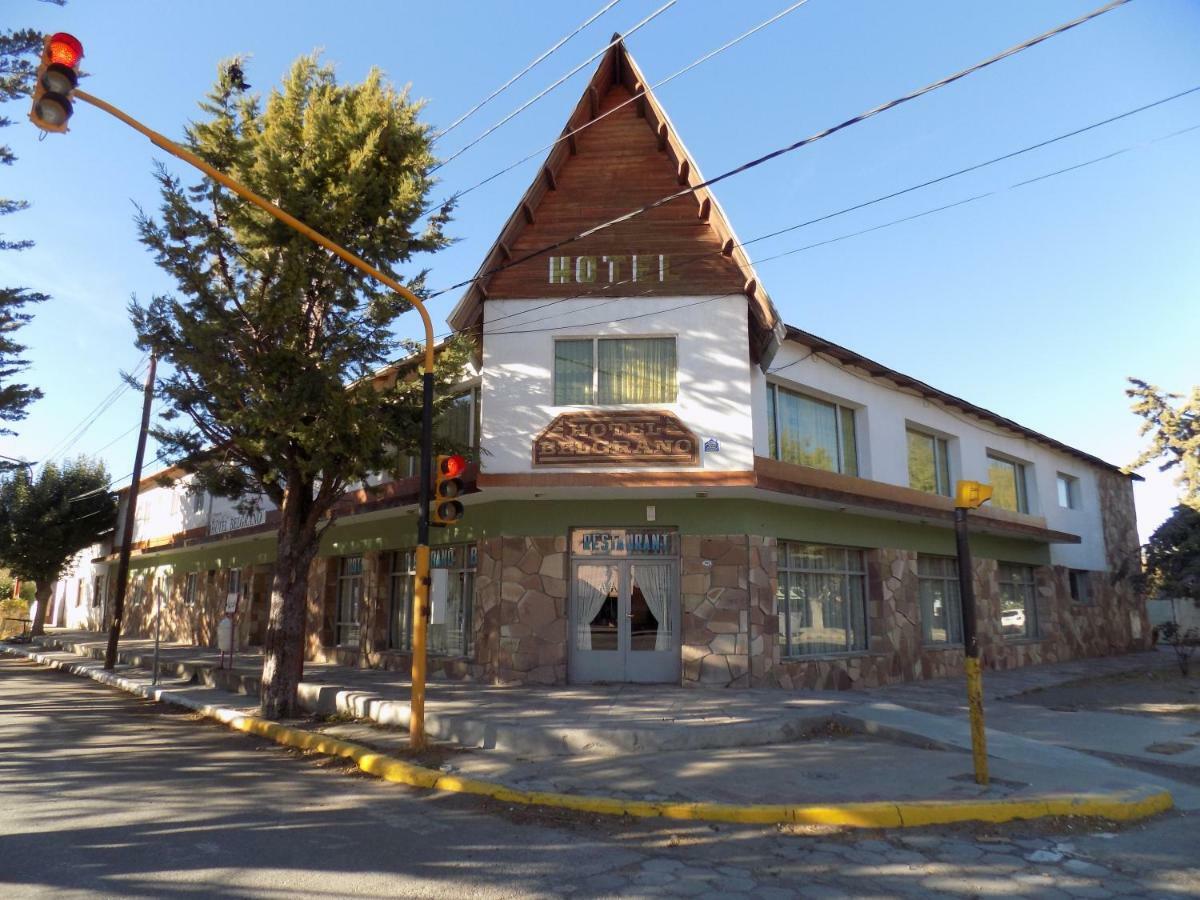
(1018, 604)
(822, 599)
(451, 625)
(941, 610)
(349, 595)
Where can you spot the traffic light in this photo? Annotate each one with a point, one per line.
(972, 494)
(57, 76)
(445, 508)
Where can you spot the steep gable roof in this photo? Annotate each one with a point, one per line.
(618, 152)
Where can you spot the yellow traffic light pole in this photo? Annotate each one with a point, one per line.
(416, 726)
(971, 495)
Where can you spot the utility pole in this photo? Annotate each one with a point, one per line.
(971, 495)
(114, 631)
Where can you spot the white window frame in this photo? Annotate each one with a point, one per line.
(1068, 485)
(190, 583)
(595, 339)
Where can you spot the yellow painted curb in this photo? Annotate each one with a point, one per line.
(1118, 805)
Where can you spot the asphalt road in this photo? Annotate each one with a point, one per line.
(105, 795)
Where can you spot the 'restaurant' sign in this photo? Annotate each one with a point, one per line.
(631, 438)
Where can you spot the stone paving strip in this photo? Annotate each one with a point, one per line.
(1134, 802)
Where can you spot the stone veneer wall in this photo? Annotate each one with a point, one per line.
(521, 609)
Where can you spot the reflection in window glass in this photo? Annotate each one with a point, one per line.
(822, 599)
(1018, 601)
(454, 636)
(349, 593)
(1007, 479)
(928, 463)
(811, 432)
(941, 611)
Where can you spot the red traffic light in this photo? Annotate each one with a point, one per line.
(65, 49)
(453, 466)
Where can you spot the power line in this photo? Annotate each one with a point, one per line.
(866, 203)
(494, 94)
(108, 486)
(528, 103)
(880, 227)
(774, 154)
(75, 434)
(458, 195)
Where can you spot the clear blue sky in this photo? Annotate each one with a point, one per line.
(1035, 303)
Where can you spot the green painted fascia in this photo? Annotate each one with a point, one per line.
(542, 518)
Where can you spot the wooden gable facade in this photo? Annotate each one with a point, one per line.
(617, 153)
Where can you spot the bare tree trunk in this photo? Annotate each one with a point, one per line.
(44, 589)
(283, 653)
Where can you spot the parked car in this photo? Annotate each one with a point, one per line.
(1012, 620)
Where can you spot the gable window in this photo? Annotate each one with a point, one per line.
(941, 610)
(1007, 478)
(1068, 491)
(1018, 601)
(198, 496)
(811, 432)
(611, 371)
(928, 463)
(822, 599)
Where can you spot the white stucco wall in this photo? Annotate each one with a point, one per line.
(882, 414)
(713, 360)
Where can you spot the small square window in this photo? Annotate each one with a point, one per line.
(1068, 491)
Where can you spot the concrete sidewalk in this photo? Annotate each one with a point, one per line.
(911, 760)
(647, 724)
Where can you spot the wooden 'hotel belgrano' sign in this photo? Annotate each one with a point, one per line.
(633, 438)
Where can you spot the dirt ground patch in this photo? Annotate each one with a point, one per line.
(1148, 692)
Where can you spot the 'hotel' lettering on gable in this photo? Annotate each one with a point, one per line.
(653, 267)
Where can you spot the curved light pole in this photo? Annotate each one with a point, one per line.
(421, 588)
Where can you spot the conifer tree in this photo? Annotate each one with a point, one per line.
(19, 52)
(271, 342)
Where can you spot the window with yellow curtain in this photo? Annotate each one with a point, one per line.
(611, 371)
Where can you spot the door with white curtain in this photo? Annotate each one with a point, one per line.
(624, 621)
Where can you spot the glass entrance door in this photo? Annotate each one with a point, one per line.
(624, 621)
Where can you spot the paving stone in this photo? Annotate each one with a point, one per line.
(736, 884)
(1044, 856)
(958, 851)
(1083, 867)
(1087, 890)
(662, 864)
(652, 878)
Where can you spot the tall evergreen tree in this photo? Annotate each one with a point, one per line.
(1175, 434)
(19, 53)
(47, 520)
(272, 341)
